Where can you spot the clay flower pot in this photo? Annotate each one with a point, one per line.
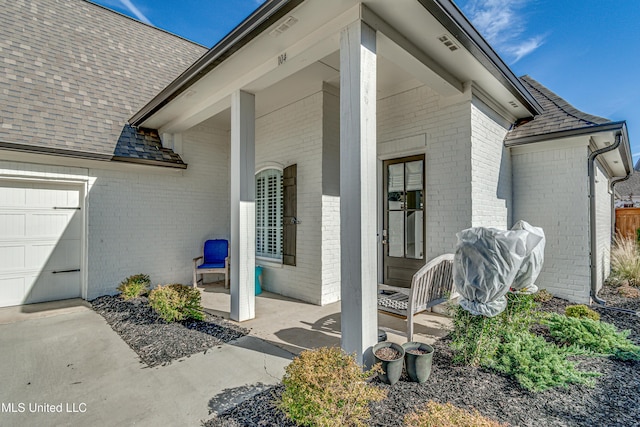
(392, 361)
(418, 358)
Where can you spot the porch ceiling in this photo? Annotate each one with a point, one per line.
(410, 53)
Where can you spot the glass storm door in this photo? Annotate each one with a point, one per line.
(403, 233)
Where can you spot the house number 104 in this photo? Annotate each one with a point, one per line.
(282, 58)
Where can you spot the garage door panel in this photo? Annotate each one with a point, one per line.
(12, 196)
(12, 225)
(47, 224)
(40, 232)
(12, 290)
(50, 287)
(61, 255)
(12, 257)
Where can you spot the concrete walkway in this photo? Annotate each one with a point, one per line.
(68, 359)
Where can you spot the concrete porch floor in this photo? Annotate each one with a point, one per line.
(296, 326)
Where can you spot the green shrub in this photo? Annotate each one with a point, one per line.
(326, 387)
(538, 364)
(176, 302)
(625, 261)
(475, 339)
(446, 415)
(581, 311)
(595, 337)
(134, 286)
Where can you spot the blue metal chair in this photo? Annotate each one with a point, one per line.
(215, 259)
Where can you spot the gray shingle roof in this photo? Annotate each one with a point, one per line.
(558, 114)
(72, 73)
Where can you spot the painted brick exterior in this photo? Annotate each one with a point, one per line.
(293, 135)
(330, 198)
(490, 169)
(146, 221)
(446, 124)
(603, 226)
(550, 188)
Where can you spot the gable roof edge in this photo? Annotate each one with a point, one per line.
(452, 18)
(445, 11)
(246, 31)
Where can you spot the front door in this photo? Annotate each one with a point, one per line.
(403, 234)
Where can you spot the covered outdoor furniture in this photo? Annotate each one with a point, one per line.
(215, 259)
(430, 286)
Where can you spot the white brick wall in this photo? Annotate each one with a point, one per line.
(155, 224)
(150, 221)
(330, 199)
(550, 189)
(446, 123)
(603, 226)
(490, 169)
(293, 135)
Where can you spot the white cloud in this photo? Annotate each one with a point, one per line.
(502, 23)
(136, 12)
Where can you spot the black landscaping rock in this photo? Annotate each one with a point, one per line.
(158, 342)
(615, 400)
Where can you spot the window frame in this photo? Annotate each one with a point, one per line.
(265, 256)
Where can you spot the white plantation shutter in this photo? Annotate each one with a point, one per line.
(269, 214)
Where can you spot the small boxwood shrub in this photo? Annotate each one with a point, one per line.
(593, 336)
(326, 387)
(134, 286)
(176, 302)
(581, 311)
(447, 415)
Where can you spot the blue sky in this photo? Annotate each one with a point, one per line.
(587, 51)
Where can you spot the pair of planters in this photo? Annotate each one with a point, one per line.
(418, 365)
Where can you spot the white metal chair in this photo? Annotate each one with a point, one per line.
(430, 286)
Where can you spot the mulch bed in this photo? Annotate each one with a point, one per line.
(158, 342)
(614, 401)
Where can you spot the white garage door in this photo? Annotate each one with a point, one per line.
(40, 242)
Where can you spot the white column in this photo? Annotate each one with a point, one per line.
(243, 210)
(358, 190)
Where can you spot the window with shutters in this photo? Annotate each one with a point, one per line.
(269, 214)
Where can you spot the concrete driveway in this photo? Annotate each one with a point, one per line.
(72, 369)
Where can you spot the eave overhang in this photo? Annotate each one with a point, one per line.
(272, 11)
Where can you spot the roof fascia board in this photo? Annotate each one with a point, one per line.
(53, 151)
(247, 30)
(433, 67)
(57, 159)
(315, 45)
(621, 126)
(606, 127)
(459, 26)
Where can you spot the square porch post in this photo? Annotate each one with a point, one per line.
(243, 210)
(358, 190)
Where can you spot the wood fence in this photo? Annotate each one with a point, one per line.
(627, 222)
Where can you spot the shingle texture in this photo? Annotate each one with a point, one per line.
(72, 73)
(143, 144)
(558, 114)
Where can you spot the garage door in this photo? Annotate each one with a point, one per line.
(40, 242)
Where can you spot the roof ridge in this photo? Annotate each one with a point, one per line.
(585, 117)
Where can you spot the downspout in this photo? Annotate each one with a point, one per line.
(592, 214)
